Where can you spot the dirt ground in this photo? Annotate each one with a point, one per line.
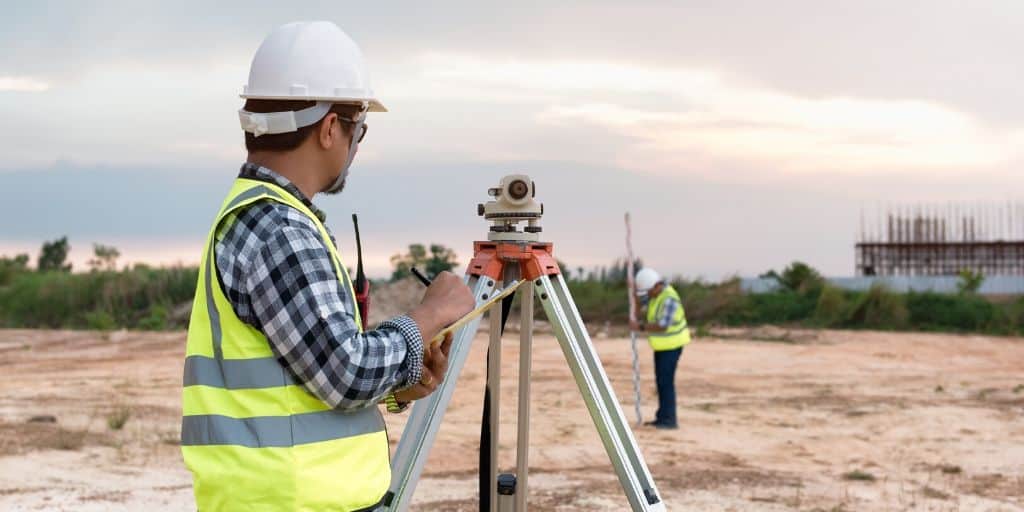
(770, 420)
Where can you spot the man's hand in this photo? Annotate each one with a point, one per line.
(447, 299)
(435, 364)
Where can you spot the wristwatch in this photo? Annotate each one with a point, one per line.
(393, 405)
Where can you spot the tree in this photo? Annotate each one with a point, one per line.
(10, 267)
(563, 267)
(440, 259)
(53, 256)
(798, 277)
(969, 282)
(104, 258)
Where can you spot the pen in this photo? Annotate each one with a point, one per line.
(419, 275)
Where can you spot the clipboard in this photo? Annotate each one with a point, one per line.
(476, 312)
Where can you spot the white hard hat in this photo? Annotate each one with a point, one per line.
(311, 60)
(306, 61)
(646, 279)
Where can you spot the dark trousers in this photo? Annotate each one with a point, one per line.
(665, 364)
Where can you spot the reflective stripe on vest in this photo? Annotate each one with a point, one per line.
(254, 437)
(677, 333)
(280, 431)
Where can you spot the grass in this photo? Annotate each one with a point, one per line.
(935, 494)
(984, 393)
(859, 476)
(69, 440)
(118, 417)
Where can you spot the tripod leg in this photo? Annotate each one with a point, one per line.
(494, 409)
(523, 426)
(598, 395)
(421, 429)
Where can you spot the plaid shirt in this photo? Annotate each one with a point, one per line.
(277, 274)
(668, 310)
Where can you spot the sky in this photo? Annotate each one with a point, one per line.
(740, 135)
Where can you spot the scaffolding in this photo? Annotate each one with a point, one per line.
(942, 240)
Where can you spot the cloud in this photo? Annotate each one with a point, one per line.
(677, 119)
(22, 84)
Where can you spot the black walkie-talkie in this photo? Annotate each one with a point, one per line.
(361, 284)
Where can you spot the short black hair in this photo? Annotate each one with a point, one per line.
(291, 140)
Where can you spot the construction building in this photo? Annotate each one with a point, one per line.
(942, 241)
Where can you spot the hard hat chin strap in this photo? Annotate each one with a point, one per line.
(282, 122)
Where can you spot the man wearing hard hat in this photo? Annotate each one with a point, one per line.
(666, 330)
(282, 381)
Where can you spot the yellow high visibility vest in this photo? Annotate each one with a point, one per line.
(677, 333)
(253, 438)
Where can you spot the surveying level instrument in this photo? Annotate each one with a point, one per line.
(508, 255)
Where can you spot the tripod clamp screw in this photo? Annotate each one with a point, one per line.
(506, 484)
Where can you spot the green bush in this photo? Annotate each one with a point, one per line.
(832, 309)
(878, 308)
(599, 301)
(709, 303)
(142, 297)
(782, 306)
(12, 267)
(133, 298)
(933, 311)
(155, 320)
(100, 321)
(1015, 313)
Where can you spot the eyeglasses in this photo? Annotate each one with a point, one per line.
(362, 133)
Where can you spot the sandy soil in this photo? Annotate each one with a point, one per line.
(831, 421)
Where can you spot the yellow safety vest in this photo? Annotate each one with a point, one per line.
(254, 438)
(677, 334)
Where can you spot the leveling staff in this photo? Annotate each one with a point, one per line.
(667, 333)
(282, 382)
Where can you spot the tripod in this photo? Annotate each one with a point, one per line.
(509, 255)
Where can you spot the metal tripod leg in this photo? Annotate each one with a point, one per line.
(421, 429)
(494, 395)
(598, 395)
(523, 425)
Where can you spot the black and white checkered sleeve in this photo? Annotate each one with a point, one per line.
(668, 312)
(304, 311)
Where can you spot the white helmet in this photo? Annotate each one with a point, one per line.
(306, 61)
(645, 280)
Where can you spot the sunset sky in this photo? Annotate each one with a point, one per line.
(741, 135)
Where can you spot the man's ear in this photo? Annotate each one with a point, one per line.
(327, 129)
